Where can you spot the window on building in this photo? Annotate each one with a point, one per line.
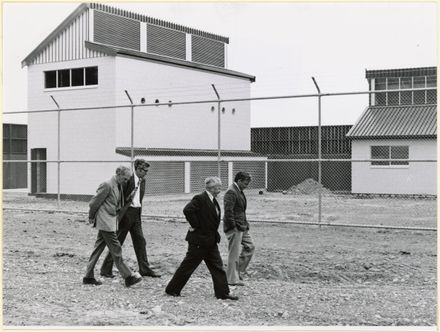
(50, 79)
(63, 78)
(395, 155)
(431, 95)
(91, 75)
(380, 98)
(406, 96)
(419, 96)
(75, 77)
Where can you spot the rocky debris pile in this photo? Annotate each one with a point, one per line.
(308, 187)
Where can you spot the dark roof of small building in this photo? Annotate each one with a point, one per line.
(114, 50)
(401, 72)
(126, 151)
(412, 121)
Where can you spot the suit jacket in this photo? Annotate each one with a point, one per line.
(235, 210)
(103, 207)
(201, 214)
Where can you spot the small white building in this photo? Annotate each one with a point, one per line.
(98, 53)
(397, 127)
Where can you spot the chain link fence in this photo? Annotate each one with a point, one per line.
(379, 172)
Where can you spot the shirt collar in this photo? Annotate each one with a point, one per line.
(211, 197)
(136, 179)
(237, 186)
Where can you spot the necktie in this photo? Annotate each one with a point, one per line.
(217, 207)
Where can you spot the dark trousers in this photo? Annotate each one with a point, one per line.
(195, 255)
(130, 223)
(110, 240)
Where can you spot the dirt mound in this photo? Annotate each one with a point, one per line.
(309, 187)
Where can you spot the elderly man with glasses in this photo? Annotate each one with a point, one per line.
(103, 210)
(130, 221)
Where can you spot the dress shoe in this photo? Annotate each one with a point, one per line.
(107, 275)
(91, 281)
(228, 297)
(131, 280)
(151, 274)
(172, 293)
(238, 283)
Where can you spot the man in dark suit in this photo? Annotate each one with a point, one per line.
(103, 208)
(236, 228)
(203, 214)
(130, 221)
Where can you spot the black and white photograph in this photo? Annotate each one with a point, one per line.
(220, 165)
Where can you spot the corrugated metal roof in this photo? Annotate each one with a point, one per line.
(413, 121)
(186, 152)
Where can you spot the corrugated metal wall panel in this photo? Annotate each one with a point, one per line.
(165, 41)
(207, 51)
(257, 170)
(200, 170)
(69, 44)
(165, 177)
(116, 30)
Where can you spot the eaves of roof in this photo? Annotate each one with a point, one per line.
(113, 51)
(126, 151)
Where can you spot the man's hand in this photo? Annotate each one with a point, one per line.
(91, 221)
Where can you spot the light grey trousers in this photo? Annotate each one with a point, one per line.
(238, 261)
(110, 240)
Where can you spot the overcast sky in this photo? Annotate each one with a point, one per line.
(282, 44)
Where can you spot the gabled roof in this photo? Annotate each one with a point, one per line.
(412, 121)
(112, 10)
(113, 50)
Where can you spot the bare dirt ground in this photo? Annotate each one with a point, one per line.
(300, 275)
(339, 209)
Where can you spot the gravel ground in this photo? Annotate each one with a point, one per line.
(300, 275)
(339, 209)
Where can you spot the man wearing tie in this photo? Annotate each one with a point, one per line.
(236, 228)
(103, 208)
(130, 221)
(203, 214)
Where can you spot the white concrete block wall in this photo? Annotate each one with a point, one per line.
(185, 126)
(417, 178)
(85, 135)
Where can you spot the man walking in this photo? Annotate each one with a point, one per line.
(203, 214)
(236, 228)
(103, 209)
(130, 221)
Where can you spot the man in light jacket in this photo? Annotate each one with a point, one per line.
(236, 228)
(103, 210)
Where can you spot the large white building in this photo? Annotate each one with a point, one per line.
(397, 127)
(98, 53)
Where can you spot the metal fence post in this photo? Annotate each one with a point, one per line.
(58, 152)
(132, 130)
(218, 132)
(319, 153)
